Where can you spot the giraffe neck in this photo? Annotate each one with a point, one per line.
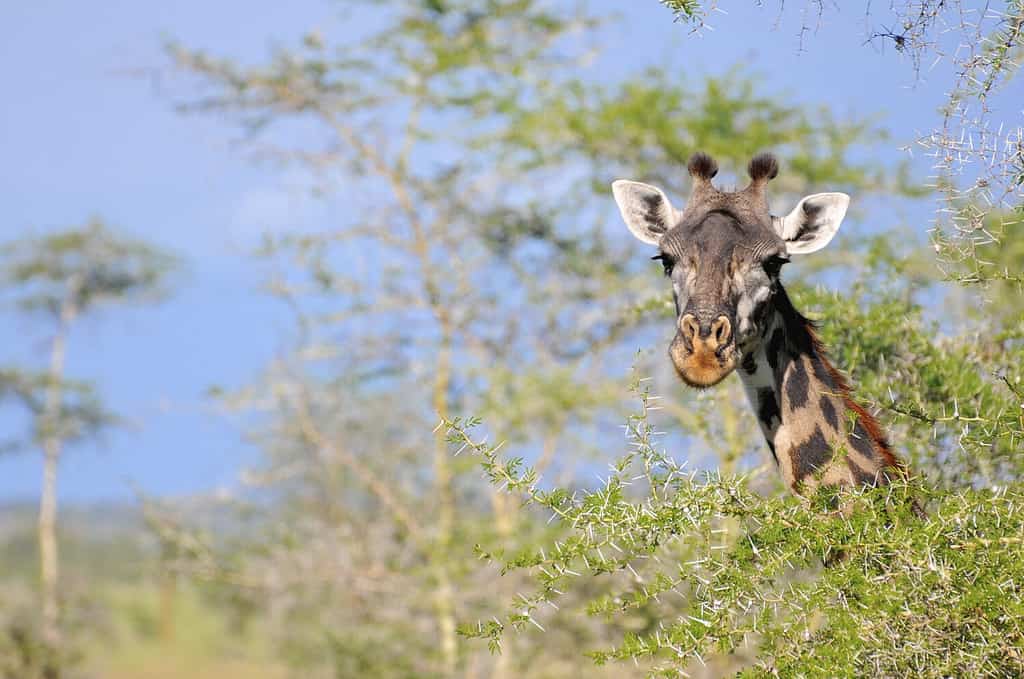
(817, 434)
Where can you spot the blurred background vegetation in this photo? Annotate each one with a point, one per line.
(478, 268)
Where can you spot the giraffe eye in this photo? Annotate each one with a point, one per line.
(773, 265)
(667, 262)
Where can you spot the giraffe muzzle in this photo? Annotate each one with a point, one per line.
(703, 351)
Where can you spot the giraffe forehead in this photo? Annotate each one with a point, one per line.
(718, 240)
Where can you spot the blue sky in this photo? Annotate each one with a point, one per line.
(87, 128)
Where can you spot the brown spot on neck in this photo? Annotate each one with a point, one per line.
(800, 339)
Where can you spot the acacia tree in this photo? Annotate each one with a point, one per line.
(402, 311)
(63, 277)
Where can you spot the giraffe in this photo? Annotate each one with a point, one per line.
(723, 253)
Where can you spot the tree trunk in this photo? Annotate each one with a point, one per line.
(49, 586)
(168, 601)
(445, 600)
(51, 636)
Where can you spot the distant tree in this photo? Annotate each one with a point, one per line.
(62, 277)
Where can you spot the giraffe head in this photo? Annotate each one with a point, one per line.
(723, 253)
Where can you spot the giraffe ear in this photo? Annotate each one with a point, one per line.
(812, 223)
(646, 210)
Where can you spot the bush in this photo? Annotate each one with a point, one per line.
(718, 575)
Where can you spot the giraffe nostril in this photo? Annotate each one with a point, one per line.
(689, 327)
(721, 329)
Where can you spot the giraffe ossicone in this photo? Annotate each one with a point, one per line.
(723, 252)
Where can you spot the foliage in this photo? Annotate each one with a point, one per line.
(24, 651)
(87, 266)
(689, 11)
(731, 579)
(650, 125)
(82, 415)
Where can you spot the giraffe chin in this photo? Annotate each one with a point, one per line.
(702, 369)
